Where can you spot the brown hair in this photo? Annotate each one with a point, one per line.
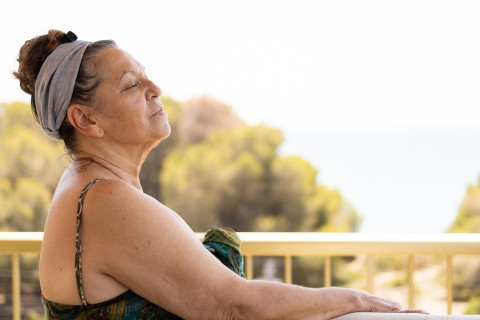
(31, 57)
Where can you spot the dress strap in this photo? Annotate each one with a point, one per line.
(78, 243)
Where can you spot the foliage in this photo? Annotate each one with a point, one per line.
(468, 218)
(213, 170)
(191, 122)
(253, 188)
(233, 195)
(29, 169)
(230, 173)
(27, 205)
(309, 271)
(473, 306)
(467, 275)
(153, 164)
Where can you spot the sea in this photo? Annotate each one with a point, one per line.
(400, 180)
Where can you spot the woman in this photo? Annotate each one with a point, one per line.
(109, 250)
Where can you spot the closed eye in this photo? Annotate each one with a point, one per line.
(132, 85)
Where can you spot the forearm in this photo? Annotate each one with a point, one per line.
(270, 300)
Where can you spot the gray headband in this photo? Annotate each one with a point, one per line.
(55, 83)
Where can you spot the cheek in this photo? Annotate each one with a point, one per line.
(105, 106)
(99, 99)
(116, 109)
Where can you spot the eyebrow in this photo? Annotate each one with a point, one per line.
(130, 71)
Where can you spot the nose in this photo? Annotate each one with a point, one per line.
(154, 91)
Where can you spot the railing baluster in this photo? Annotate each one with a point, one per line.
(249, 266)
(411, 283)
(288, 269)
(327, 272)
(291, 245)
(370, 273)
(16, 286)
(449, 284)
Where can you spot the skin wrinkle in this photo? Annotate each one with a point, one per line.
(228, 314)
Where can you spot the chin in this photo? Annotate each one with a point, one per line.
(165, 132)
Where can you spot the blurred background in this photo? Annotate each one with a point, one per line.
(325, 116)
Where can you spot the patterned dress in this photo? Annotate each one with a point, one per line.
(223, 243)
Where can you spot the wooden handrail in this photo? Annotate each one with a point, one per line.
(289, 245)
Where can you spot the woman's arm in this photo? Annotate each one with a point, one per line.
(147, 247)
(283, 301)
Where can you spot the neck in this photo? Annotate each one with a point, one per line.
(115, 163)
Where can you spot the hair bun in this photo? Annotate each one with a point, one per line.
(31, 57)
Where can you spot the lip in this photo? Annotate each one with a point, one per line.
(160, 112)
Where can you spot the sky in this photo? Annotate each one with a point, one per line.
(381, 96)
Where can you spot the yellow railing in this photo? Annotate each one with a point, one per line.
(288, 245)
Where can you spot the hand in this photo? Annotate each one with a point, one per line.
(411, 311)
(378, 304)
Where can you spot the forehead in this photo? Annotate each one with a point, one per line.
(115, 61)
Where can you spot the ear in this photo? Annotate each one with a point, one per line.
(79, 117)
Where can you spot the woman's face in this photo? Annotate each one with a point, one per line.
(129, 106)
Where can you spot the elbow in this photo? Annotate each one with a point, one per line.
(235, 313)
(238, 305)
(229, 313)
(220, 312)
(233, 300)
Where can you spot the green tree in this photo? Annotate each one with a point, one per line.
(222, 180)
(299, 203)
(468, 218)
(467, 280)
(292, 186)
(154, 162)
(27, 206)
(191, 122)
(235, 178)
(26, 150)
(330, 212)
(29, 169)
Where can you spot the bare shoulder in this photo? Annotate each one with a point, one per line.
(148, 248)
(116, 199)
(121, 221)
(113, 203)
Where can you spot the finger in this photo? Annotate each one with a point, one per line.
(411, 311)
